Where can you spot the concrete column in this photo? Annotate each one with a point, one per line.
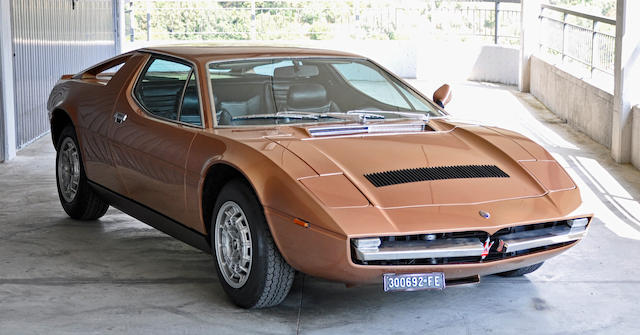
(529, 40)
(7, 111)
(627, 77)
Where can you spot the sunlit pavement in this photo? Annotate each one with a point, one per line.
(118, 275)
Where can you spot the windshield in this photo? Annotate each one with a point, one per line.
(310, 90)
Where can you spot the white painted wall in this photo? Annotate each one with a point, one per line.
(585, 107)
(7, 110)
(529, 39)
(627, 77)
(496, 64)
(635, 137)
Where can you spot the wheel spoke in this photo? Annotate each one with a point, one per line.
(68, 169)
(233, 244)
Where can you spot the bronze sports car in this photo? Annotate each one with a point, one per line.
(284, 159)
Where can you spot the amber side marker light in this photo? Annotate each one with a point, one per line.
(301, 223)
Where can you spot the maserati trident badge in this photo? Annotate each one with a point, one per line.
(484, 214)
(486, 247)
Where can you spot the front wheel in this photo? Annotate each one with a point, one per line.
(79, 201)
(250, 268)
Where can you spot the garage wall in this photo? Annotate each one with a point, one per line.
(6, 91)
(2, 154)
(52, 38)
(635, 137)
(583, 105)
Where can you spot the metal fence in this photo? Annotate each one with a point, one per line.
(579, 38)
(494, 21)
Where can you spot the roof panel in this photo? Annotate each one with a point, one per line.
(200, 52)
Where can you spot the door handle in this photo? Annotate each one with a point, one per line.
(119, 117)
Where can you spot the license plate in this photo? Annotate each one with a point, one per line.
(413, 281)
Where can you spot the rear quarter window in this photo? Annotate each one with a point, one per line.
(104, 72)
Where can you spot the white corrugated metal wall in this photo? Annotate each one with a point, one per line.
(7, 126)
(52, 38)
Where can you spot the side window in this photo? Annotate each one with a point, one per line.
(161, 87)
(371, 83)
(190, 111)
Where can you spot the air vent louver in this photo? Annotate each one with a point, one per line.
(387, 178)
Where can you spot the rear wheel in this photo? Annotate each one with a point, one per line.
(250, 268)
(521, 271)
(76, 196)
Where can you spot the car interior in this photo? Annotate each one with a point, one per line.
(272, 91)
(288, 90)
(244, 97)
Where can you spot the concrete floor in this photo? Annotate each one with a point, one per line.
(117, 275)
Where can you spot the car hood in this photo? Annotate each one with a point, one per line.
(357, 156)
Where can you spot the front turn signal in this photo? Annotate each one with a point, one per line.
(301, 223)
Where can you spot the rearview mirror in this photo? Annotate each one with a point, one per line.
(442, 96)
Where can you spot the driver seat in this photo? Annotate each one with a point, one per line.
(309, 98)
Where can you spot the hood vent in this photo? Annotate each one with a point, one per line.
(379, 179)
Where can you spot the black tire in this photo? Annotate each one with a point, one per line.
(85, 204)
(270, 277)
(521, 271)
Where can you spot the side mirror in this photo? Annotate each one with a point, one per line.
(442, 96)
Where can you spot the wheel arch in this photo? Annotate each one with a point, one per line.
(59, 120)
(218, 175)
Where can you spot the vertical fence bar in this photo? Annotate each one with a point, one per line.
(148, 25)
(564, 32)
(131, 22)
(253, 20)
(495, 30)
(540, 18)
(594, 26)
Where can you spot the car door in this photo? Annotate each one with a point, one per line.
(95, 101)
(156, 122)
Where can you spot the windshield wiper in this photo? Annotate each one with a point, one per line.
(277, 116)
(357, 117)
(360, 116)
(409, 115)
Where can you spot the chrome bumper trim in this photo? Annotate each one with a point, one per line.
(455, 247)
(366, 250)
(541, 238)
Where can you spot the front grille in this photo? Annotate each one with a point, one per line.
(494, 254)
(387, 178)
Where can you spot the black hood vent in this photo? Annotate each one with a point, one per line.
(379, 179)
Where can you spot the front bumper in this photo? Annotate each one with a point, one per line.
(467, 247)
(322, 253)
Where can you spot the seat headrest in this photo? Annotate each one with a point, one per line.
(288, 72)
(307, 96)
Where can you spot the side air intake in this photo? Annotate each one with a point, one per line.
(388, 178)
